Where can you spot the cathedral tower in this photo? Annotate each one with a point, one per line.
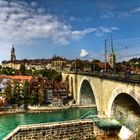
(13, 56)
(112, 57)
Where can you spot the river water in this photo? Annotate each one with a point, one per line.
(10, 122)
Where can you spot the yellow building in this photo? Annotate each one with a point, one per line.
(58, 64)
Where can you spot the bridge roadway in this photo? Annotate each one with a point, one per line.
(105, 86)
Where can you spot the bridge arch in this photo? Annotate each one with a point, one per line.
(119, 91)
(87, 82)
(72, 86)
(86, 94)
(67, 78)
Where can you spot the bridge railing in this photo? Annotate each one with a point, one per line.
(88, 114)
(103, 123)
(122, 77)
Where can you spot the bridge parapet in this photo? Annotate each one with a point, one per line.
(120, 77)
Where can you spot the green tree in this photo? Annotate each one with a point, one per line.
(35, 72)
(22, 69)
(58, 77)
(7, 71)
(50, 74)
(94, 65)
(79, 65)
(26, 92)
(8, 92)
(16, 93)
(29, 72)
(41, 92)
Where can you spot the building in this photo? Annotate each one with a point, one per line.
(67, 67)
(13, 56)
(87, 69)
(36, 64)
(112, 57)
(3, 84)
(101, 66)
(58, 63)
(12, 63)
(56, 93)
(20, 79)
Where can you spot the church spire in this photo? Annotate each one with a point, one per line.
(13, 56)
(112, 57)
(112, 49)
(12, 46)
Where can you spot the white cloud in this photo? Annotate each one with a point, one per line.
(79, 34)
(34, 4)
(21, 22)
(102, 30)
(41, 11)
(107, 15)
(136, 10)
(129, 12)
(72, 18)
(114, 28)
(118, 14)
(84, 53)
(5, 50)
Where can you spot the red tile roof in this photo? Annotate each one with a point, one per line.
(102, 65)
(20, 78)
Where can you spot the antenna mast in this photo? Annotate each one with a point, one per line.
(105, 57)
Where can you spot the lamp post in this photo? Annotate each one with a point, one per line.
(105, 57)
(75, 66)
(94, 65)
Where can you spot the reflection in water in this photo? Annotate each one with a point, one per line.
(21, 118)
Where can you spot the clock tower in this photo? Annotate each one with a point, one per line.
(13, 56)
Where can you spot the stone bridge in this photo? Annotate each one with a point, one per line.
(104, 91)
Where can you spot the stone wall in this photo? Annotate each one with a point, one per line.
(68, 130)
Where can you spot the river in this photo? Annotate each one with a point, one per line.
(10, 122)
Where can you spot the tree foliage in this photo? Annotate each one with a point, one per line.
(26, 92)
(8, 92)
(7, 71)
(50, 74)
(22, 69)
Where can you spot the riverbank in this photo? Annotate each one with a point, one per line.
(42, 109)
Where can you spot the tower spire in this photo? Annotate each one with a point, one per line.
(112, 49)
(12, 45)
(112, 57)
(13, 56)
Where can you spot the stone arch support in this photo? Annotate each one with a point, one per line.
(119, 90)
(64, 76)
(79, 84)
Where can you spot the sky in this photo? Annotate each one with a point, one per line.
(69, 28)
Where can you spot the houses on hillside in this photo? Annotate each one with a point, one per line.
(54, 92)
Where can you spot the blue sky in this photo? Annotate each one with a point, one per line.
(69, 28)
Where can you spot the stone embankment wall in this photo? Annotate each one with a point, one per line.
(68, 130)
